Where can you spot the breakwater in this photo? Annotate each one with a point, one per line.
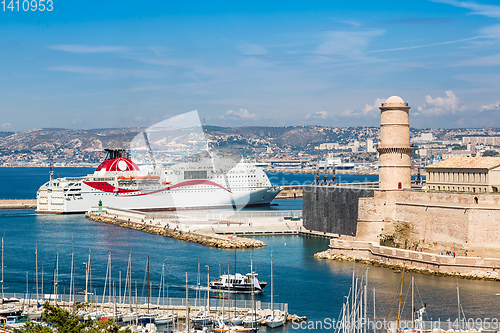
(18, 204)
(420, 262)
(223, 242)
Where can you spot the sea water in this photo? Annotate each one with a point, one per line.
(311, 287)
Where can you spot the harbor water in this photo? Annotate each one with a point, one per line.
(311, 287)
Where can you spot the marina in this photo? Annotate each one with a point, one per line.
(294, 265)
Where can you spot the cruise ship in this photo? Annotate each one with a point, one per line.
(118, 182)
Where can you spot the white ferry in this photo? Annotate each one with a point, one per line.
(118, 182)
(238, 283)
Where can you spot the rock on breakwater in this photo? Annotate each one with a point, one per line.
(223, 242)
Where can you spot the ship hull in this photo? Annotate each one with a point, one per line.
(186, 199)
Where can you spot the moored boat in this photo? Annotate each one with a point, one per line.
(238, 283)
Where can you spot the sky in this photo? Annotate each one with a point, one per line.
(99, 64)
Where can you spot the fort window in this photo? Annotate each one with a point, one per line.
(476, 200)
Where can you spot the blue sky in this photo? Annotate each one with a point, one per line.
(95, 64)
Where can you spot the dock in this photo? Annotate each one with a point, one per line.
(120, 305)
(211, 228)
(18, 204)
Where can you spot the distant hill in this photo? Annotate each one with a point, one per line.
(55, 139)
(4, 134)
(294, 137)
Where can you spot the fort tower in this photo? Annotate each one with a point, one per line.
(394, 148)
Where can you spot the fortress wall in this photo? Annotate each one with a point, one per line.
(436, 224)
(372, 215)
(472, 267)
(442, 221)
(332, 209)
(442, 197)
(484, 230)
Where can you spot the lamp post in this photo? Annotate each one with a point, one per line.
(86, 281)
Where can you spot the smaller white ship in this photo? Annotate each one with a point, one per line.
(238, 283)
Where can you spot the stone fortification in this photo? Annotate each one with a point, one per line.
(464, 223)
(332, 209)
(421, 262)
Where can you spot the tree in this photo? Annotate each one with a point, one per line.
(490, 153)
(63, 321)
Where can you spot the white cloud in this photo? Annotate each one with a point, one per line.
(76, 121)
(369, 109)
(251, 49)
(438, 106)
(241, 114)
(150, 88)
(486, 10)
(106, 73)
(492, 106)
(317, 115)
(6, 125)
(347, 43)
(87, 48)
(140, 119)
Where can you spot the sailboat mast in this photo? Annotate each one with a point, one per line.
(36, 273)
(3, 296)
(198, 286)
(187, 305)
(253, 290)
(208, 288)
(57, 275)
(272, 286)
(148, 284)
(400, 297)
(90, 270)
(458, 301)
(71, 283)
(412, 302)
(365, 322)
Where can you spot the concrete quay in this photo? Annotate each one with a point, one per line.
(420, 262)
(18, 204)
(215, 228)
(177, 233)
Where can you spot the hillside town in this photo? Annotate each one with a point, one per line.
(295, 148)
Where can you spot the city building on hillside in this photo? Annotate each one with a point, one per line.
(465, 174)
(484, 140)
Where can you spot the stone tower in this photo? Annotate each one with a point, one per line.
(394, 148)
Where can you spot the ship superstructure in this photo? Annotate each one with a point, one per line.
(118, 182)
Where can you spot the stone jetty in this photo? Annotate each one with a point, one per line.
(18, 204)
(223, 242)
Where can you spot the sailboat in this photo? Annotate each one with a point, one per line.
(165, 318)
(204, 317)
(252, 318)
(273, 320)
(8, 311)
